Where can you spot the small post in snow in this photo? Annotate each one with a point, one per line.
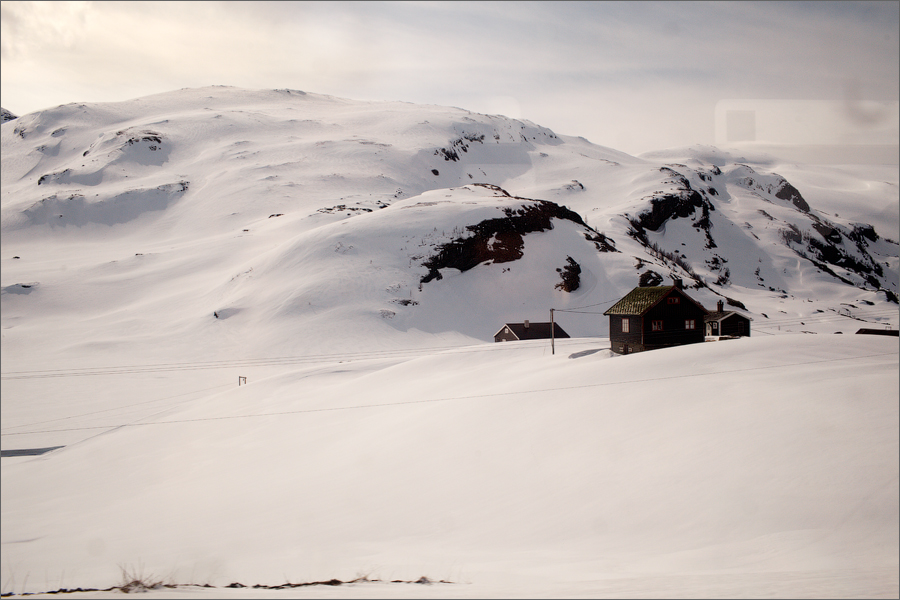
(552, 334)
(244, 379)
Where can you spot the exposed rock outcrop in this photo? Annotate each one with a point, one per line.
(498, 240)
(683, 202)
(570, 274)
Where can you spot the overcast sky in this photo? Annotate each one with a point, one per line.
(634, 76)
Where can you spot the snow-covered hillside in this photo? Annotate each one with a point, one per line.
(273, 207)
(343, 254)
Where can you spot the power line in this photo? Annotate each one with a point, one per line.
(259, 362)
(471, 397)
(191, 366)
(826, 317)
(152, 368)
(371, 355)
(116, 407)
(588, 306)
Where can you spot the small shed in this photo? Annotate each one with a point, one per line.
(878, 332)
(654, 317)
(511, 332)
(727, 322)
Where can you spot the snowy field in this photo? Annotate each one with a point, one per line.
(756, 467)
(228, 341)
(763, 466)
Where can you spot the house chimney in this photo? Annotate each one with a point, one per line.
(677, 282)
(526, 323)
(720, 306)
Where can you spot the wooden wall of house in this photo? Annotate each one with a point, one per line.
(625, 343)
(735, 325)
(503, 336)
(673, 317)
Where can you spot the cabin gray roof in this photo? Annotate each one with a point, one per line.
(721, 316)
(878, 332)
(641, 299)
(535, 331)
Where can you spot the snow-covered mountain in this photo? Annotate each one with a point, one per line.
(354, 259)
(273, 207)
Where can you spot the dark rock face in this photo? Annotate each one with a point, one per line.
(650, 278)
(862, 232)
(666, 206)
(847, 253)
(601, 242)
(571, 276)
(831, 251)
(498, 240)
(735, 303)
(791, 234)
(459, 145)
(828, 232)
(830, 254)
(683, 203)
(5, 115)
(786, 191)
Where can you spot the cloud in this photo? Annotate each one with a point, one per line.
(30, 28)
(579, 67)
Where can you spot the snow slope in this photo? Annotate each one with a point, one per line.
(501, 468)
(198, 192)
(353, 260)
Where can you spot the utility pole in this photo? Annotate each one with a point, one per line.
(552, 334)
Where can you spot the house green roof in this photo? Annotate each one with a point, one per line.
(638, 300)
(641, 299)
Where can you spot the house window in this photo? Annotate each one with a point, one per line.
(625, 325)
(656, 325)
(672, 300)
(690, 324)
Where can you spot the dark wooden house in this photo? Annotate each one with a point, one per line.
(529, 331)
(727, 322)
(654, 317)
